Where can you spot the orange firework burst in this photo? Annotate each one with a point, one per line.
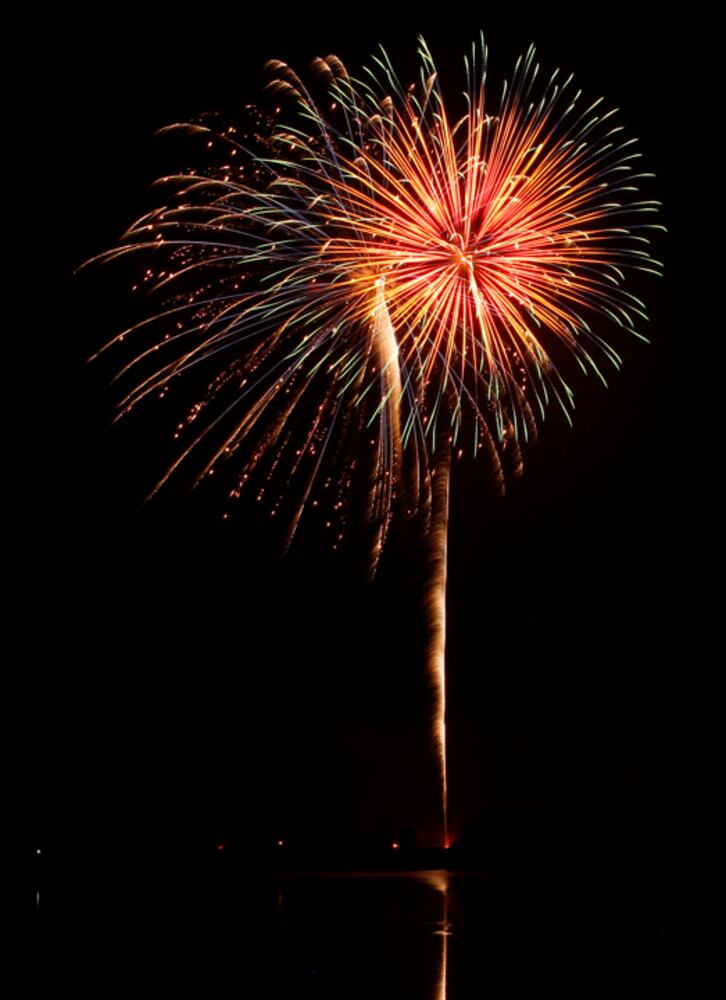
(381, 271)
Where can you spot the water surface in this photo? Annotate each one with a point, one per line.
(410, 936)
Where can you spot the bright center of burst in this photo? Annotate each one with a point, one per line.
(464, 264)
(462, 255)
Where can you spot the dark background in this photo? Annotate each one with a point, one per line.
(185, 686)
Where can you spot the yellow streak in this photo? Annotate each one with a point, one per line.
(387, 349)
(388, 472)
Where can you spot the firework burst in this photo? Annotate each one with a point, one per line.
(370, 281)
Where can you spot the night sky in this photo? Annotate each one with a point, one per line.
(185, 685)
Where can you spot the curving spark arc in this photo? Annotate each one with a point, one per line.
(364, 281)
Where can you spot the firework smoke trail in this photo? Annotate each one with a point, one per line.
(366, 283)
(436, 613)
